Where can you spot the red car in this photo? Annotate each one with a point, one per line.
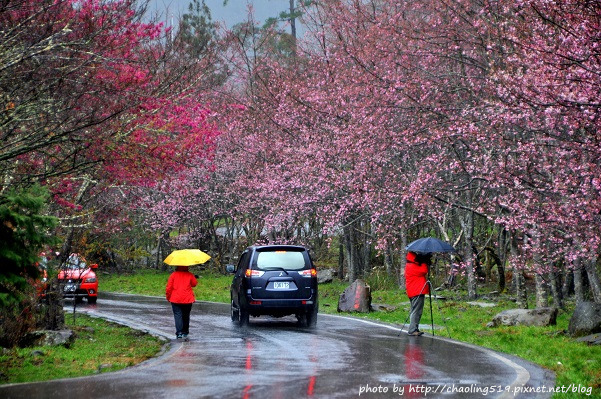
(78, 279)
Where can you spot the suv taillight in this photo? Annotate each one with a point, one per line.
(253, 273)
(308, 273)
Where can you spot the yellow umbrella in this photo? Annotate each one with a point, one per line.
(186, 257)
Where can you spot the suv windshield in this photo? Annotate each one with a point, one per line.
(287, 260)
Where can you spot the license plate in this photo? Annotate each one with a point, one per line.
(281, 285)
(69, 288)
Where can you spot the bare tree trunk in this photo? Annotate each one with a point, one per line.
(66, 247)
(567, 283)
(468, 253)
(541, 292)
(348, 262)
(593, 278)
(350, 252)
(518, 278)
(158, 252)
(292, 20)
(353, 258)
(502, 258)
(555, 291)
(163, 251)
(215, 248)
(117, 265)
(388, 259)
(341, 257)
(520, 284)
(403, 260)
(232, 240)
(365, 246)
(578, 286)
(54, 315)
(357, 246)
(488, 265)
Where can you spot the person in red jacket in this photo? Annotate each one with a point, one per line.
(417, 287)
(179, 293)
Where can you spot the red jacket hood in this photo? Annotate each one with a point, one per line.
(411, 257)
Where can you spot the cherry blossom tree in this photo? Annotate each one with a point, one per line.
(473, 120)
(400, 112)
(548, 85)
(95, 102)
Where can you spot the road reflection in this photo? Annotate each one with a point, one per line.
(248, 372)
(414, 367)
(305, 356)
(414, 361)
(314, 362)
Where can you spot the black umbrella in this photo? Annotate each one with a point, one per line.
(429, 245)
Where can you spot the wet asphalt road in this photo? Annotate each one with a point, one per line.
(274, 358)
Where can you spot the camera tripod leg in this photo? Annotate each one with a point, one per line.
(409, 315)
(428, 283)
(431, 313)
(441, 315)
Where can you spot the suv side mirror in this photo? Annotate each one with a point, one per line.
(230, 268)
(94, 266)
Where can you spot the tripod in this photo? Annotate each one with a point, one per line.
(428, 284)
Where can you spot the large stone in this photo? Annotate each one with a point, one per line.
(355, 298)
(382, 307)
(593, 339)
(325, 276)
(50, 338)
(541, 317)
(586, 319)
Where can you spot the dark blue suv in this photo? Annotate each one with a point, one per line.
(276, 280)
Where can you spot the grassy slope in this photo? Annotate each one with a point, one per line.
(100, 346)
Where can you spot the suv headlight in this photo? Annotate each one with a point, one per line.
(90, 280)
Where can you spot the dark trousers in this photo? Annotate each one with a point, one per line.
(415, 314)
(181, 314)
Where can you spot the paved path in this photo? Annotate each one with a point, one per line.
(274, 358)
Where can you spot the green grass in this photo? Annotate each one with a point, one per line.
(100, 346)
(211, 286)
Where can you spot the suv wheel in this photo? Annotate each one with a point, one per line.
(243, 317)
(239, 315)
(302, 319)
(234, 313)
(308, 319)
(311, 317)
